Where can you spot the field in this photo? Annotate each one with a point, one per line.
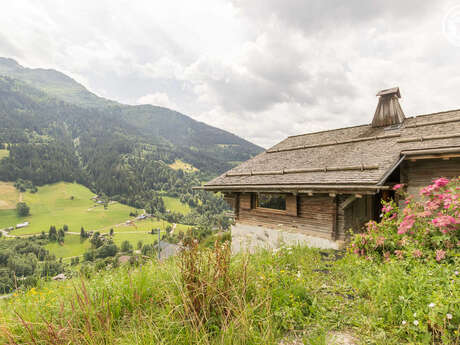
(133, 233)
(73, 246)
(9, 195)
(174, 204)
(4, 153)
(178, 164)
(53, 205)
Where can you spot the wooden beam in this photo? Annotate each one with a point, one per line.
(348, 201)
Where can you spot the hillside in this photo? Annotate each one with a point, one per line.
(191, 138)
(56, 130)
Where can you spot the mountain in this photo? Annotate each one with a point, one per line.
(57, 130)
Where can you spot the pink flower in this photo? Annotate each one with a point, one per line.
(440, 255)
(444, 222)
(387, 208)
(380, 241)
(441, 182)
(406, 224)
(417, 253)
(398, 186)
(399, 254)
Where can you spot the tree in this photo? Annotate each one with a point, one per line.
(61, 235)
(126, 247)
(96, 240)
(82, 233)
(22, 209)
(52, 233)
(65, 227)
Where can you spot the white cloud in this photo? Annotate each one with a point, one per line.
(263, 69)
(160, 99)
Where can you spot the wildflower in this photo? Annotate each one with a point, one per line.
(399, 254)
(449, 316)
(441, 182)
(406, 224)
(403, 322)
(440, 254)
(416, 322)
(387, 208)
(415, 314)
(380, 241)
(431, 305)
(417, 253)
(398, 186)
(456, 273)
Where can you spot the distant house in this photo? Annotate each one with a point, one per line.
(22, 225)
(316, 186)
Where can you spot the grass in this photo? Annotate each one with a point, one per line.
(4, 153)
(147, 225)
(9, 195)
(175, 205)
(204, 298)
(72, 246)
(180, 165)
(52, 205)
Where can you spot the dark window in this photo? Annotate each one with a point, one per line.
(274, 201)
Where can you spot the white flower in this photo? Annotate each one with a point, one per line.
(415, 322)
(449, 316)
(401, 298)
(431, 305)
(403, 322)
(415, 314)
(298, 274)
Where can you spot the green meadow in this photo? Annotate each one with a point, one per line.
(71, 204)
(174, 204)
(64, 203)
(4, 153)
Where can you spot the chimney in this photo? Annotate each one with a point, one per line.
(388, 110)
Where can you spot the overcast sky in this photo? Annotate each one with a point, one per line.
(262, 69)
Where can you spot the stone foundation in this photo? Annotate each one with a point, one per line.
(249, 238)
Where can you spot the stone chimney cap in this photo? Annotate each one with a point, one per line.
(393, 90)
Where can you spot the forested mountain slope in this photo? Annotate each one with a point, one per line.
(56, 130)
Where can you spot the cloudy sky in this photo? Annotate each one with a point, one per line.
(262, 69)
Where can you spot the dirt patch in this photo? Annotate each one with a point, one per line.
(9, 196)
(340, 338)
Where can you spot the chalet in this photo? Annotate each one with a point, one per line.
(315, 187)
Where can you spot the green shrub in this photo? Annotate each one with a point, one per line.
(423, 230)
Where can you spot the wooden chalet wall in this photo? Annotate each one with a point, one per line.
(355, 215)
(310, 215)
(420, 173)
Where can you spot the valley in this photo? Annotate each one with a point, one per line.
(71, 204)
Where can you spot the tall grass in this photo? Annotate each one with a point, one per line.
(205, 296)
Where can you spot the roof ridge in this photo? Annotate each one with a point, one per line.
(328, 130)
(363, 125)
(435, 113)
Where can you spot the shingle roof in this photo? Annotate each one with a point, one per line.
(346, 156)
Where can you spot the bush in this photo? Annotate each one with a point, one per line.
(22, 209)
(126, 247)
(423, 230)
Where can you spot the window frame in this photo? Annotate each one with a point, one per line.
(268, 209)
